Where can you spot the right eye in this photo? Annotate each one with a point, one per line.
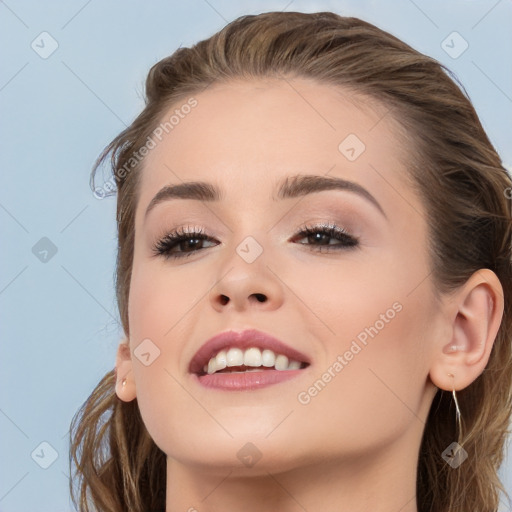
(180, 243)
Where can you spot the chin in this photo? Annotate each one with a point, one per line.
(246, 452)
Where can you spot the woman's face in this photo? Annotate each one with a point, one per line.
(358, 305)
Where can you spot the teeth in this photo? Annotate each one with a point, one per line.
(212, 367)
(281, 362)
(221, 359)
(235, 357)
(294, 365)
(252, 357)
(268, 358)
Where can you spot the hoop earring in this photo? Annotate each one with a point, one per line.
(457, 408)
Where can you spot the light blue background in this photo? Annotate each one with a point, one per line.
(59, 326)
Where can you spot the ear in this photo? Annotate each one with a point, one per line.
(475, 312)
(126, 392)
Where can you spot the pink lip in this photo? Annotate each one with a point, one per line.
(243, 340)
(245, 381)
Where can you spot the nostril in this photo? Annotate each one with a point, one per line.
(224, 300)
(260, 297)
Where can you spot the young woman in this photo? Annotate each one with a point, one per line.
(314, 280)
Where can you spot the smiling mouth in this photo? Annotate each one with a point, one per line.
(253, 359)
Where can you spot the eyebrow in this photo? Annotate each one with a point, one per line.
(290, 187)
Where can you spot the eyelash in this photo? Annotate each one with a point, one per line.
(164, 246)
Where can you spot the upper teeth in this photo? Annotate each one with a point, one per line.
(251, 357)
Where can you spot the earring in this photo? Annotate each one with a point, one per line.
(457, 408)
(123, 383)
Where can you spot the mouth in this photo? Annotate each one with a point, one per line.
(246, 360)
(253, 359)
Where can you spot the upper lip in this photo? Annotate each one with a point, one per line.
(244, 339)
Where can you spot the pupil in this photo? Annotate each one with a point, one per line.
(318, 238)
(194, 242)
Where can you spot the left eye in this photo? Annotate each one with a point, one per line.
(323, 233)
(190, 242)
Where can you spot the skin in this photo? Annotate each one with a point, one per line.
(353, 446)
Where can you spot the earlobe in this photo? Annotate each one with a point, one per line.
(477, 311)
(125, 385)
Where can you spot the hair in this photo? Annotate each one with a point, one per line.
(462, 184)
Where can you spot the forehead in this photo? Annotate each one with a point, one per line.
(251, 134)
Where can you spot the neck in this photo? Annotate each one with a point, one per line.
(378, 483)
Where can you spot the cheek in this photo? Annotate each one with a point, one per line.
(373, 384)
(346, 297)
(163, 308)
(162, 298)
(161, 303)
(375, 359)
(370, 393)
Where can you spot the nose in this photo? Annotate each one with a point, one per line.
(260, 297)
(246, 286)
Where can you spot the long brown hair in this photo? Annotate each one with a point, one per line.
(458, 175)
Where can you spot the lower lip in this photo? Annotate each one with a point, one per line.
(245, 381)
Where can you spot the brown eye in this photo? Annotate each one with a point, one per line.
(181, 243)
(321, 236)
